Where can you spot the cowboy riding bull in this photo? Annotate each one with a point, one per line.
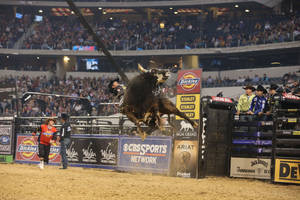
(143, 103)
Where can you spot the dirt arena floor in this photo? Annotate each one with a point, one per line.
(22, 182)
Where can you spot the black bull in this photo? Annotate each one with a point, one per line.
(142, 105)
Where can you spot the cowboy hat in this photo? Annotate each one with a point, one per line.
(261, 88)
(249, 87)
(111, 90)
(273, 87)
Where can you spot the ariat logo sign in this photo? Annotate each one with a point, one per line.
(189, 81)
(287, 171)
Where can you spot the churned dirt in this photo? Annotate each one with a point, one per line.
(22, 182)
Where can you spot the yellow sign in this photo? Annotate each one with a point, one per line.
(287, 171)
(296, 132)
(188, 104)
(292, 120)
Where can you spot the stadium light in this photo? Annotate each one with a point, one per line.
(72, 12)
(171, 8)
(111, 18)
(247, 10)
(66, 59)
(236, 6)
(7, 57)
(104, 13)
(38, 58)
(99, 8)
(175, 12)
(40, 11)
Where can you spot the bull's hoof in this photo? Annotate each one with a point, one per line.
(195, 125)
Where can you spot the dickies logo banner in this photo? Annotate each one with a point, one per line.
(189, 81)
(27, 150)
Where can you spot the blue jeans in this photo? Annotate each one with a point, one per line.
(63, 151)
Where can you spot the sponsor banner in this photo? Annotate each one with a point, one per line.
(250, 168)
(185, 158)
(96, 151)
(6, 139)
(189, 104)
(27, 150)
(189, 81)
(222, 99)
(150, 155)
(84, 48)
(290, 96)
(185, 131)
(287, 171)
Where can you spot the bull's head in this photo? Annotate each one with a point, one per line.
(161, 74)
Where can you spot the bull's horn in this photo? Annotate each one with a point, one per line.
(141, 68)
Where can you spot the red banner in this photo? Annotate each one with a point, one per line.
(189, 81)
(222, 99)
(290, 96)
(27, 150)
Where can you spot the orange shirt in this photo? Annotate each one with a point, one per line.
(46, 134)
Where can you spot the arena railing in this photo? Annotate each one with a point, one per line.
(83, 125)
(172, 52)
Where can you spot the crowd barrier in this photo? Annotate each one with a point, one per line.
(116, 152)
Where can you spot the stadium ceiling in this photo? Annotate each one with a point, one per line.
(268, 3)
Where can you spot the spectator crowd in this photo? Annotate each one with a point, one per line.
(96, 91)
(170, 33)
(11, 29)
(123, 35)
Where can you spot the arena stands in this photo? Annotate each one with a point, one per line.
(65, 32)
(11, 29)
(96, 91)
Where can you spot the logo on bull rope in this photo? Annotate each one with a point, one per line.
(189, 81)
